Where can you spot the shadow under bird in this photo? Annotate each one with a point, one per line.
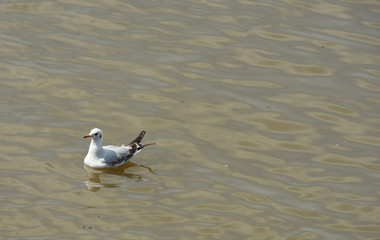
(100, 156)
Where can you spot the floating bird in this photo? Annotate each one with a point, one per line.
(110, 156)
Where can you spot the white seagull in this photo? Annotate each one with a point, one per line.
(110, 156)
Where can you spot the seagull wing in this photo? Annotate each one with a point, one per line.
(116, 156)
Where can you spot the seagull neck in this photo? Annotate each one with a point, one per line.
(96, 146)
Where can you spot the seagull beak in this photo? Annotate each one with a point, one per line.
(87, 136)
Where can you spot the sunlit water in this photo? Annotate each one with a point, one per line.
(266, 113)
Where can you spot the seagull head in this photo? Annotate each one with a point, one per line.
(95, 133)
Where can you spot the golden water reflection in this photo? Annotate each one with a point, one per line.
(266, 113)
(94, 182)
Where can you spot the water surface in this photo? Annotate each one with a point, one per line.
(266, 114)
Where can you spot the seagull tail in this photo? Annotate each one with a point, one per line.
(141, 146)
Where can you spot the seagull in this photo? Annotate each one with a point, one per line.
(111, 156)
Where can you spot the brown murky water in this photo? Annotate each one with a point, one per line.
(266, 113)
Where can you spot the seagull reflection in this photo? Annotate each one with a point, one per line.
(94, 182)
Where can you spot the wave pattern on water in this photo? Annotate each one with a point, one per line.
(266, 113)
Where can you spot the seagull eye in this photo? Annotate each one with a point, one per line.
(96, 134)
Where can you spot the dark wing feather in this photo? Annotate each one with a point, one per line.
(139, 138)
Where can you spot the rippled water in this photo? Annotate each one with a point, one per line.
(266, 113)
